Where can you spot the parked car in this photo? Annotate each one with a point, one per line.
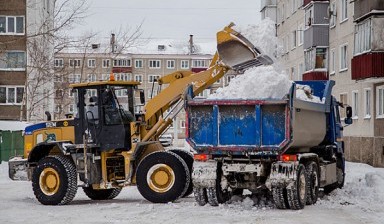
(166, 140)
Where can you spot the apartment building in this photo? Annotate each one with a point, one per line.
(144, 65)
(343, 41)
(19, 22)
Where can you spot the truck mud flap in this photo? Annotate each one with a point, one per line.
(17, 169)
(204, 174)
(282, 174)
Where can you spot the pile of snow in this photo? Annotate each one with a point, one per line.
(13, 125)
(304, 92)
(263, 82)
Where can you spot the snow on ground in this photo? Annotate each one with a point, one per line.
(360, 201)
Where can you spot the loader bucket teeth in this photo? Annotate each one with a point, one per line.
(238, 52)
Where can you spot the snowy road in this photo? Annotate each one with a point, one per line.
(360, 201)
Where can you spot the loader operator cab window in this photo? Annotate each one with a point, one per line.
(110, 107)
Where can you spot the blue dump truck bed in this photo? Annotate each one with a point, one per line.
(259, 126)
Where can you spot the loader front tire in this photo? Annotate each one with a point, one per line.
(54, 180)
(102, 194)
(297, 192)
(162, 177)
(188, 159)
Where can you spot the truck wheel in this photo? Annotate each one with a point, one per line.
(188, 159)
(297, 193)
(313, 180)
(54, 180)
(102, 194)
(279, 195)
(217, 195)
(200, 195)
(162, 177)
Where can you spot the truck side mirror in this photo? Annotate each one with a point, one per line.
(348, 112)
(142, 97)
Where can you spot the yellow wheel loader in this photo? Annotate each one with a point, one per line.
(104, 147)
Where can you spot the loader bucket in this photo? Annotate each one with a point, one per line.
(238, 52)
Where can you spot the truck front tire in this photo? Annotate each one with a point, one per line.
(162, 177)
(54, 180)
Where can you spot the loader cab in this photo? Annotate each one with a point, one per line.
(105, 110)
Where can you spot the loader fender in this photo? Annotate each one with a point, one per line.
(43, 149)
(204, 174)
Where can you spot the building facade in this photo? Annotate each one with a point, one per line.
(21, 25)
(343, 41)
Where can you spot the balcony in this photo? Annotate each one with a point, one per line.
(122, 69)
(368, 65)
(306, 2)
(365, 7)
(315, 75)
(316, 35)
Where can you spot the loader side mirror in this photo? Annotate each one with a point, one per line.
(348, 113)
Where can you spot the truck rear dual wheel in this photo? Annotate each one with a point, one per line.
(162, 177)
(216, 195)
(201, 195)
(54, 180)
(279, 195)
(313, 182)
(297, 193)
(102, 194)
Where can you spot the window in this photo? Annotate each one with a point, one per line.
(332, 15)
(91, 63)
(367, 104)
(91, 77)
(58, 63)
(105, 77)
(343, 101)
(58, 109)
(106, 63)
(75, 63)
(11, 94)
(122, 76)
(138, 63)
(59, 93)
(182, 123)
(91, 92)
(203, 94)
(293, 73)
(380, 102)
(12, 60)
(301, 71)
(154, 63)
(308, 17)
(300, 34)
(315, 58)
(344, 10)
(122, 63)
(71, 92)
(71, 108)
(355, 104)
(11, 25)
(139, 78)
(151, 93)
(363, 37)
(332, 62)
(343, 58)
(57, 77)
(184, 64)
(153, 78)
(199, 63)
(74, 78)
(293, 39)
(170, 64)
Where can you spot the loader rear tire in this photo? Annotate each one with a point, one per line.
(313, 181)
(188, 159)
(162, 177)
(102, 194)
(201, 196)
(54, 180)
(297, 192)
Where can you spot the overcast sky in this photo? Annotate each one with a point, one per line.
(170, 19)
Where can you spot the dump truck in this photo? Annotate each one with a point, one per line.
(105, 147)
(289, 148)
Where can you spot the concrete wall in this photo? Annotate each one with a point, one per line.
(369, 150)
